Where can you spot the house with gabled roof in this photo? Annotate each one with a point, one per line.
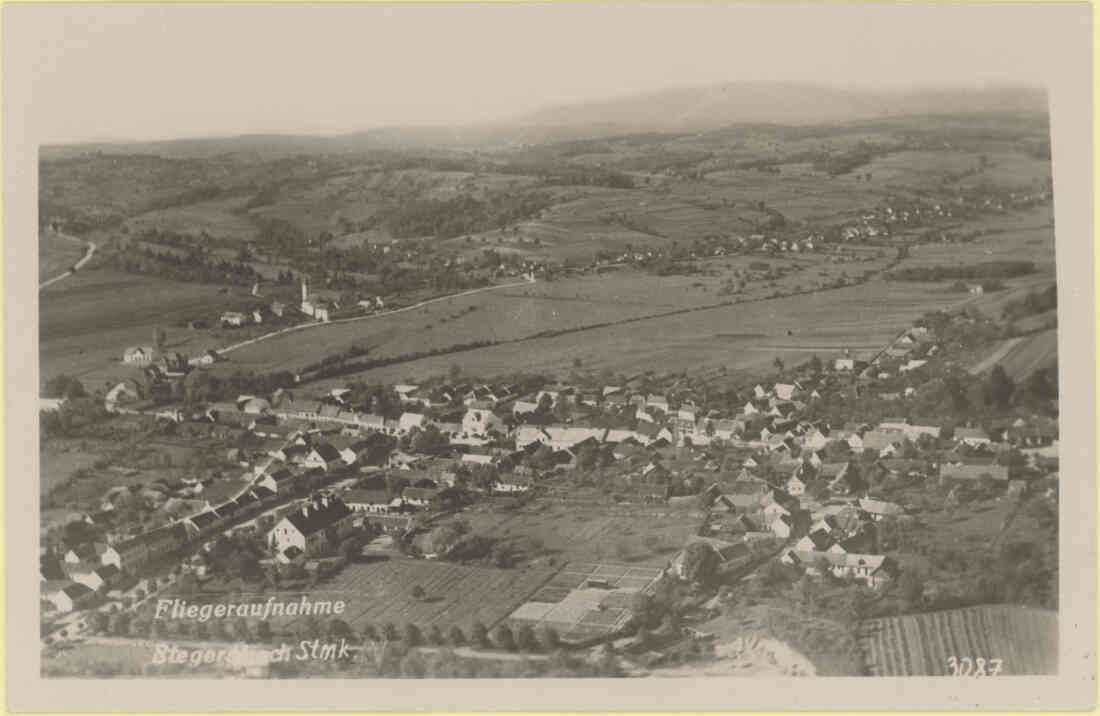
(69, 596)
(136, 552)
(315, 528)
(281, 481)
(205, 521)
(375, 501)
(324, 456)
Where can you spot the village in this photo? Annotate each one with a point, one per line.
(805, 473)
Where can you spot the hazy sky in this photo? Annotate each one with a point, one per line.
(139, 72)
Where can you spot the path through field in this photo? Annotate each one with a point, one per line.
(76, 267)
(995, 357)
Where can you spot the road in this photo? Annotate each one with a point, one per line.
(77, 266)
(303, 326)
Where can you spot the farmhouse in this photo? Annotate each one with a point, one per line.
(314, 528)
(323, 456)
(375, 501)
(874, 570)
(139, 355)
(233, 318)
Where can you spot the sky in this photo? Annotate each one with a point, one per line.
(134, 72)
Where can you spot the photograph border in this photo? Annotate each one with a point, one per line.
(1066, 40)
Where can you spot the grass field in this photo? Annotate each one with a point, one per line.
(88, 320)
(563, 304)
(219, 218)
(1037, 351)
(1025, 236)
(56, 255)
(1024, 640)
(744, 337)
(379, 593)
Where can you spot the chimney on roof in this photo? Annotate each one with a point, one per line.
(305, 510)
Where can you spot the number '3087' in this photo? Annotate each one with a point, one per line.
(974, 667)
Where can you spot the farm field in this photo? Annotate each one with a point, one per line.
(586, 600)
(1036, 351)
(745, 337)
(797, 194)
(1023, 355)
(56, 255)
(1025, 236)
(520, 312)
(88, 320)
(1023, 640)
(549, 530)
(378, 593)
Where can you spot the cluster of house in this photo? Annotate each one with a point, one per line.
(166, 364)
(86, 570)
(754, 468)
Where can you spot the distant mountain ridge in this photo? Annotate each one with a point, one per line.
(711, 107)
(689, 109)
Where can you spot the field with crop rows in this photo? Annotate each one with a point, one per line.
(546, 529)
(1033, 353)
(380, 593)
(1024, 640)
(586, 600)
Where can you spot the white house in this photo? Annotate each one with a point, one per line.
(480, 422)
(139, 355)
(795, 486)
(314, 528)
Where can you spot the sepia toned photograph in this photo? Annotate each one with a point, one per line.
(667, 344)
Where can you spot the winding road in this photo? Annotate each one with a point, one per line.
(77, 266)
